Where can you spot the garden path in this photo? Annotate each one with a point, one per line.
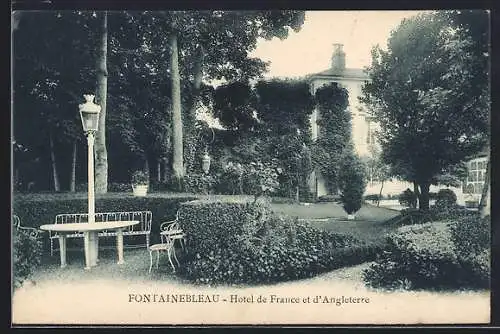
(90, 298)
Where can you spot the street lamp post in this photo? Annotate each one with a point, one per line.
(89, 114)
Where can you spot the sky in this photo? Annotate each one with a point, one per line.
(309, 50)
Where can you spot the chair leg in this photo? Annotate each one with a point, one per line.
(150, 260)
(170, 259)
(175, 256)
(157, 258)
(51, 247)
(184, 246)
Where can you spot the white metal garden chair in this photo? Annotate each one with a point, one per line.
(31, 231)
(173, 231)
(166, 245)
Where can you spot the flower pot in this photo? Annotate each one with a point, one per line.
(140, 190)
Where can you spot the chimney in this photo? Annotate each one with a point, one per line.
(338, 57)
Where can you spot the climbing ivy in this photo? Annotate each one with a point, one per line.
(334, 134)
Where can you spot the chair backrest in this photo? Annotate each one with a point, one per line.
(16, 222)
(30, 231)
(144, 217)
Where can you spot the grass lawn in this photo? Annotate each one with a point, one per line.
(367, 212)
(369, 225)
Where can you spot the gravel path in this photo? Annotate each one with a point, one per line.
(338, 297)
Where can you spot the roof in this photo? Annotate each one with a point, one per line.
(348, 73)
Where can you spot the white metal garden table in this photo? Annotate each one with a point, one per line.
(90, 231)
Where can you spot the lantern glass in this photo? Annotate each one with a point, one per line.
(89, 113)
(90, 120)
(206, 163)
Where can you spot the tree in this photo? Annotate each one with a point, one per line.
(419, 93)
(351, 180)
(215, 44)
(101, 152)
(377, 169)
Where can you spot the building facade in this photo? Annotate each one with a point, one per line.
(363, 127)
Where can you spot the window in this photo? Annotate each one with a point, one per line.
(475, 176)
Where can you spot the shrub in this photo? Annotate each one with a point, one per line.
(471, 237)
(434, 256)
(352, 183)
(242, 243)
(329, 198)
(231, 179)
(446, 198)
(199, 183)
(373, 197)
(140, 177)
(261, 178)
(26, 256)
(408, 198)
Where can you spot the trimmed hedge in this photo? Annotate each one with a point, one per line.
(39, 211)
(439, 255)
(244, 243)
(412, 216)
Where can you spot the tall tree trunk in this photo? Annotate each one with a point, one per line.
(165, 170)
(380, 192)
(55, 175)
(484, 203)
(101, 153)
(72, 179)
(189, 120)
(146, 165)
(177, 161)
(417, 195)
(158, 171)
(424, 196)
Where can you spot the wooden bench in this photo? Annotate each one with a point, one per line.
(143, 228)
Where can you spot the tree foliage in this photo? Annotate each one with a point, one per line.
(421, 94)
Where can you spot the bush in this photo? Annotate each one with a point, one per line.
(472, 239)
(446, 198)
(408, 198)
(140, 177)
(352, 183)
(373, 197)
(230, 180)
(244, 243)
(434, 256)
(261, 178)
(329, 198)
(199, 183)
(26, 257)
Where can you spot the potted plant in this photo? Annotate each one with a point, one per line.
(140, 183)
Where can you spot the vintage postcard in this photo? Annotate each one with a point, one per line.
(237, 167)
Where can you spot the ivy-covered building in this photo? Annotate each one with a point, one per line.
(351, 79)
(363, 135)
